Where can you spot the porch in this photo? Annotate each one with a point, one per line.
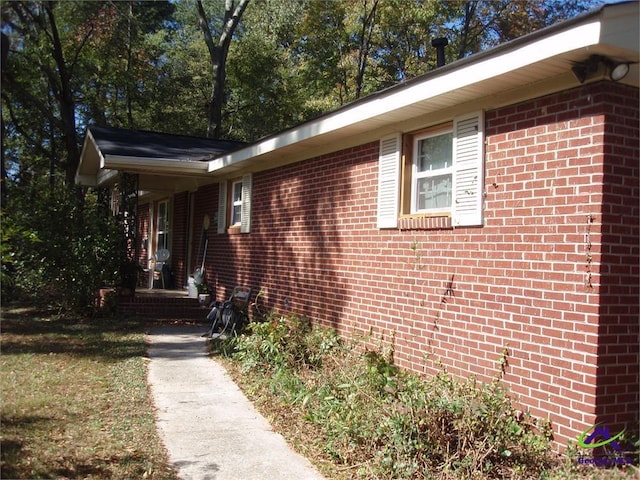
(163, 304)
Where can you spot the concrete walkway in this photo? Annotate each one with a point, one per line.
(212, 432)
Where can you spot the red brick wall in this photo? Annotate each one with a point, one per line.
(552, 277)
(618, 351)
(205, 203)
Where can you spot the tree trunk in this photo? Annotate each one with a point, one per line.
(469, 13)
(66, 100)
(3, 181)
(368, 22)
(218, 51)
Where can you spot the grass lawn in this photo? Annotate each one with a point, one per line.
(74, 399)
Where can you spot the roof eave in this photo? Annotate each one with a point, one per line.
(555, 47)
(90, 159)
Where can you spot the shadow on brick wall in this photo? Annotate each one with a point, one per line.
(618, 385)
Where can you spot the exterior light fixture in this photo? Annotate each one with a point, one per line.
(589, 67)
(618, 71)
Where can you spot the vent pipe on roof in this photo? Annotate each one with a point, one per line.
(439, 44)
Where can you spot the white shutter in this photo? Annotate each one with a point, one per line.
(222, 206)
(245, 214)
(389, 181)
(468, 179)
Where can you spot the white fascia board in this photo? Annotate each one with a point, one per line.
(85, 180)
(90, 161)
(105, 177)
(578, 37)
(124, 162)
(89, 143)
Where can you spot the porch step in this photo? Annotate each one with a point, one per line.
(163, 306)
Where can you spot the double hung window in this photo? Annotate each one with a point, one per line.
(162, 235)
(433, 178)
(236, 204)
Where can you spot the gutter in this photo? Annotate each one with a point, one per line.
(580, 32)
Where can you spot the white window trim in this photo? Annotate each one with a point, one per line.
(416, 175)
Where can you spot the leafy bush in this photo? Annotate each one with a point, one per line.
(383, 422)
(285, 343)
(59, 250)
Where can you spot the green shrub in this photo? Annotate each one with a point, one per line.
(284, 342)
(57, 250)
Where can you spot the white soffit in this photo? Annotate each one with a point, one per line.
(441, 89)
(158, 165)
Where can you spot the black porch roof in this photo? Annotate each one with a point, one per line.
(137, 143)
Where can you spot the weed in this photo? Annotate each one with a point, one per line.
(284, 342)
(370, 419)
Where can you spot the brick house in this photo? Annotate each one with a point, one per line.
(490, 204)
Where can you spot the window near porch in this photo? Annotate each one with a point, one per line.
(236, 204)
(163, 226)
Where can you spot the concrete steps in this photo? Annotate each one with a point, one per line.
(163, 304)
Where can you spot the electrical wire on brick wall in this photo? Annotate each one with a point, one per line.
(587, 241)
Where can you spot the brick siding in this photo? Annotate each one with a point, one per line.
(552, 277)
(618, 350)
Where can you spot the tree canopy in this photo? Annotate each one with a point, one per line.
(233, 69)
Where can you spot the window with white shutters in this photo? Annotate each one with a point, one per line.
(433, 178)
(234, 205)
